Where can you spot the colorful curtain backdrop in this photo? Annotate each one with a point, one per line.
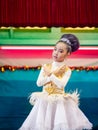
(49, 13)
(16, 87)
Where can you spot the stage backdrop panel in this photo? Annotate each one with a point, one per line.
(16, 87)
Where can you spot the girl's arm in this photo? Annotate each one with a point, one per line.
(42, 79)
(61, 82)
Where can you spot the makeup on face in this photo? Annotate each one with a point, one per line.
(60, 52)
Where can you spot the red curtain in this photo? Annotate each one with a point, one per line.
(66, 13)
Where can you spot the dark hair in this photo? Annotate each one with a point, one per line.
(71, 40)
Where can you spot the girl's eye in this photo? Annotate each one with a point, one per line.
(61, 51)
(55, 49)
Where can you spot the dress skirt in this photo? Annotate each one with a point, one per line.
(55, 112)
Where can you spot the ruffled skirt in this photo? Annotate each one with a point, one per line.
(55, 112)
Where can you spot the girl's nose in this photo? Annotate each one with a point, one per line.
(56, 52)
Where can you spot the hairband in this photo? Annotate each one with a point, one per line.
(66, 40)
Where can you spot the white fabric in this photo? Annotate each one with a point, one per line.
(61, 83)
(55, 111)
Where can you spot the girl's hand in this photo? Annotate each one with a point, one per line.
(46, 71)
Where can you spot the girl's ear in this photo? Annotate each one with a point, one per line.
(69, 54)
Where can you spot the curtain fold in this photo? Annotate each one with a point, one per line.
(66, 13)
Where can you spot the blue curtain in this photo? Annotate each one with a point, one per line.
(16, 86)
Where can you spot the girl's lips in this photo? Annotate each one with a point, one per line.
(55, 57)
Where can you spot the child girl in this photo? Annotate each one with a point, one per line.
(53, 108)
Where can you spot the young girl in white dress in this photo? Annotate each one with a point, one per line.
(54, 109)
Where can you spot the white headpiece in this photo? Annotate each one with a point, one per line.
(66, 40)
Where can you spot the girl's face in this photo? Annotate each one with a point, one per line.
(60, 52)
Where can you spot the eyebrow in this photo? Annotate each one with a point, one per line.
(59, 49)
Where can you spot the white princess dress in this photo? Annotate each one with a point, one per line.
(53, 108)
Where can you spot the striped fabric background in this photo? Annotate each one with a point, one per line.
(33, 46)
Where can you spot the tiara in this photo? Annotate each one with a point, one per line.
(66, 40)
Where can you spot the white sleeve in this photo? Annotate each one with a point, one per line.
(61, 83)
(42, 79)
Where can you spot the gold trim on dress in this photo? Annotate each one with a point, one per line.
(50, 87)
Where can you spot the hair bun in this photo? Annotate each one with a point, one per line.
(74, 42)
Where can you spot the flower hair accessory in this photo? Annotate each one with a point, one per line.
(66, 40)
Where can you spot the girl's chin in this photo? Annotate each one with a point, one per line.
(56, 60)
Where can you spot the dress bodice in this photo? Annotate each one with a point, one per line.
(58, 70)
(59, 77)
